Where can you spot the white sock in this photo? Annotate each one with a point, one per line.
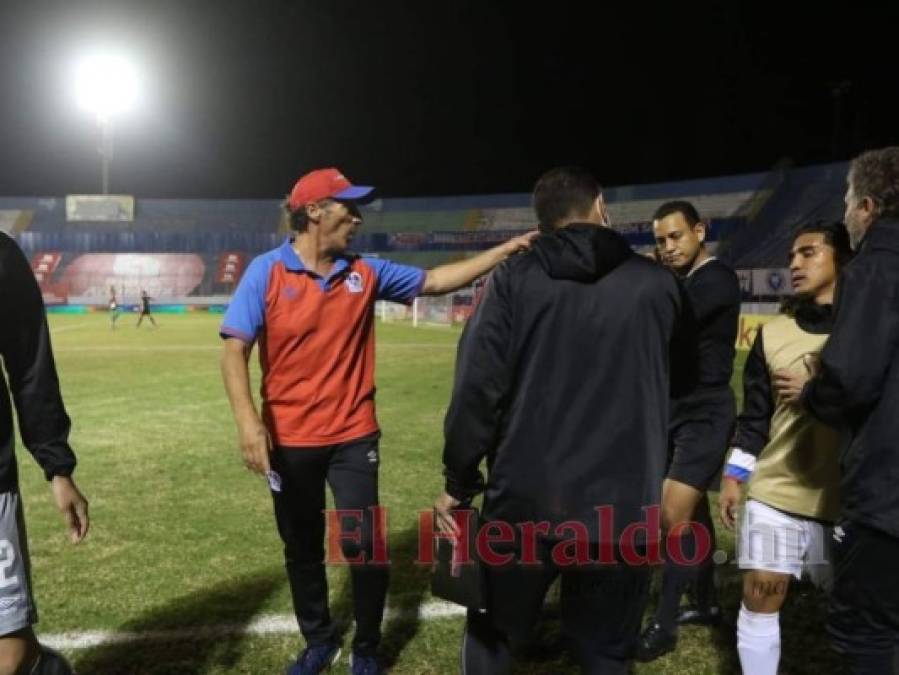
(758, 642)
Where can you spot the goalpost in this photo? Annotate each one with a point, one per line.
(429, 310)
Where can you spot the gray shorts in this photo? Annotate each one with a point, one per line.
(17, 609)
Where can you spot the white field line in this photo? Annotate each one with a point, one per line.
(202, 348)
(138, 348)
(74, 326)
(267, 624)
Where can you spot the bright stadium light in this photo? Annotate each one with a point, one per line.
(105, 85)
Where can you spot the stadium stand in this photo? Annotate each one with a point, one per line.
(195, 250)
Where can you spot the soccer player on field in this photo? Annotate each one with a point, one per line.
(857, 389)
(310, 305)
(145, 308)
(113, 306)
(789, 459)
(700, 426)
(44, 427)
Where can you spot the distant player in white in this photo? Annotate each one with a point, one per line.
(789, 459)
(113, 306)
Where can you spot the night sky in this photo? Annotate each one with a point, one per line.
(430, 98)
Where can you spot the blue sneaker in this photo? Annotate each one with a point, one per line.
(315, 659)
(364, 665)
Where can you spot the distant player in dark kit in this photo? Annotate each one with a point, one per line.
(701, 424)
(145, 308)
(113, 307)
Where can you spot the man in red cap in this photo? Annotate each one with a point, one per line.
(310, 305)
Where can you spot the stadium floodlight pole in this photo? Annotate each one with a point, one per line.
(106, 86)
(105, 124)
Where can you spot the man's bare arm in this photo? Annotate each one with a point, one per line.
(447, 278)
(255, 442)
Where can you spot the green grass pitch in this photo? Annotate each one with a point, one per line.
(183, 537)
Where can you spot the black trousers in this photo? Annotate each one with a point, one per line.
(863, 616)
(601, 605)
(351, 469)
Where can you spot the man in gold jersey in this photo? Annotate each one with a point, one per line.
(789, 459)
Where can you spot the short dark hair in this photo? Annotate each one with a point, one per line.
(875, 174)
(563, 192)
(835, 235)
(297, 218)
(685, 208)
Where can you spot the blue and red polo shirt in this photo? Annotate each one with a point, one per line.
(316, 340)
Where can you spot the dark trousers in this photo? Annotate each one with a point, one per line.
(351, 469)
(863, 616)
(601, 605)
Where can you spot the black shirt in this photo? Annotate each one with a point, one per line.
(714, 292)
(31, 373)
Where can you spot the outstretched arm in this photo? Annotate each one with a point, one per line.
(447, 278)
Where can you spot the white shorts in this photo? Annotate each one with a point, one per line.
(17, 609)
(774, 541)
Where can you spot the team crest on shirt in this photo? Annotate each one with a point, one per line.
(354, 282)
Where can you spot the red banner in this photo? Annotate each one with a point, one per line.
(162, 275)
(231, 266)
(44, 264)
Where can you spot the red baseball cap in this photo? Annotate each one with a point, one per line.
(323, 184)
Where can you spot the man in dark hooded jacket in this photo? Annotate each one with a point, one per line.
(562, 383)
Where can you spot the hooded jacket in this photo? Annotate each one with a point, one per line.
(31, 372)
(858, 389)
(563, 378)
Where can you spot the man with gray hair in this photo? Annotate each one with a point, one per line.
(857, 390)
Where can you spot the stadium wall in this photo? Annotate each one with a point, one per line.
(751, 219)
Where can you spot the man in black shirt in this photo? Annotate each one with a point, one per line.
(562, 383)
(44, 427)
(700, 427)
(145, 308)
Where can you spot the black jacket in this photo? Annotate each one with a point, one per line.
(563, 382)
(858, 388)
(28, 360)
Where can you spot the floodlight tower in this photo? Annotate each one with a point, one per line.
(105, 86)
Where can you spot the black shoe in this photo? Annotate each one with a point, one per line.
(655, 642)
(51, 662)
(693, 615)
